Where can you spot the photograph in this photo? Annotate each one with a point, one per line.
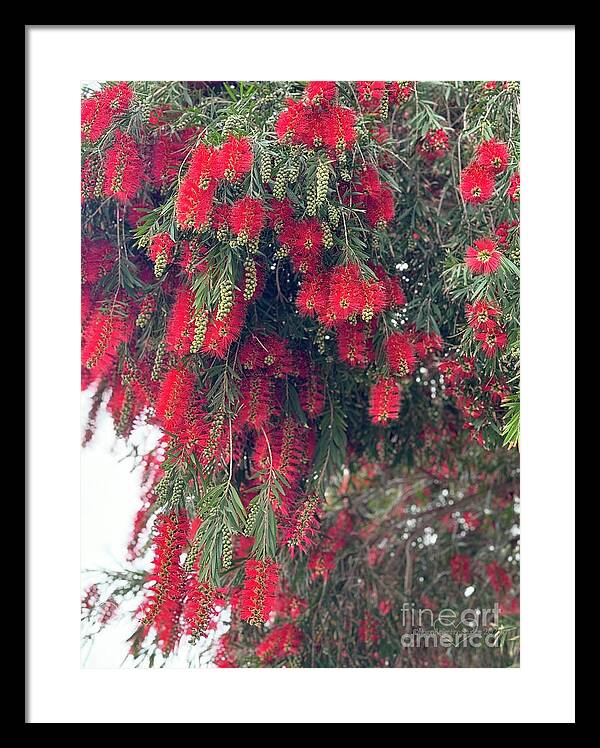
(300, 320)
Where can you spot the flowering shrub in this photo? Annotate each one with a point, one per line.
(313, 292)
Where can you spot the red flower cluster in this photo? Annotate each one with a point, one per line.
(99, 110)
(246, 219)
(174, 398)
(258, 595)
(104, 333)
(482, 315)
(385, 400)
(304, 526)
(123, 168)
(161, 251)
(163, 604)
(320, 123)
(400, 353)
(484, 257)
(375, 197)
(478, 178)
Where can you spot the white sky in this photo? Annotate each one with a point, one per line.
(110, 490)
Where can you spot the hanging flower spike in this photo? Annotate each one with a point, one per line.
(492, 155)
(311, 393)
(258, 595)
(385, 400)
(193, 204)
(484, 257)
(161, 251)
(345, 291)
(199, 608)
(105, 332)
(255, 401)
(181, 326)
(354, 344)
(498, 578)
(476, 184)
(123, 168)
(174, 398)
(233, 159)
(246, 219)
(304, 526)
(400, 353)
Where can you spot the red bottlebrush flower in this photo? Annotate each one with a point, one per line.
(376, 198)
(434, 145)
(191, 257)
(166, 593)
(484, 257)
(281, 642)
(103, 336)
(492, 341)
(199, 608)
(289, 122)
(492, 155)
(304, 526)
(311, 393)
(258, 595)
(166, 155)
(193, 205)
(496, 390)
(305, 245)
(460, 568)
(123, 168)
(498, 578)
(99, 110)
(384, 607)
(354, 344)
(370, 93)
(320, 93)
(400, 354)
(482, 315)
(220, 334)
(180, 329)
(282, 213)
(514, 190)
(233, 159)
(385, 399)
(339, 128)
(266, 352)
(247, 218)
(256, 393)
(476, 184)
(345, 291)
(313, 295)
(174, 398)
(202, 166)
